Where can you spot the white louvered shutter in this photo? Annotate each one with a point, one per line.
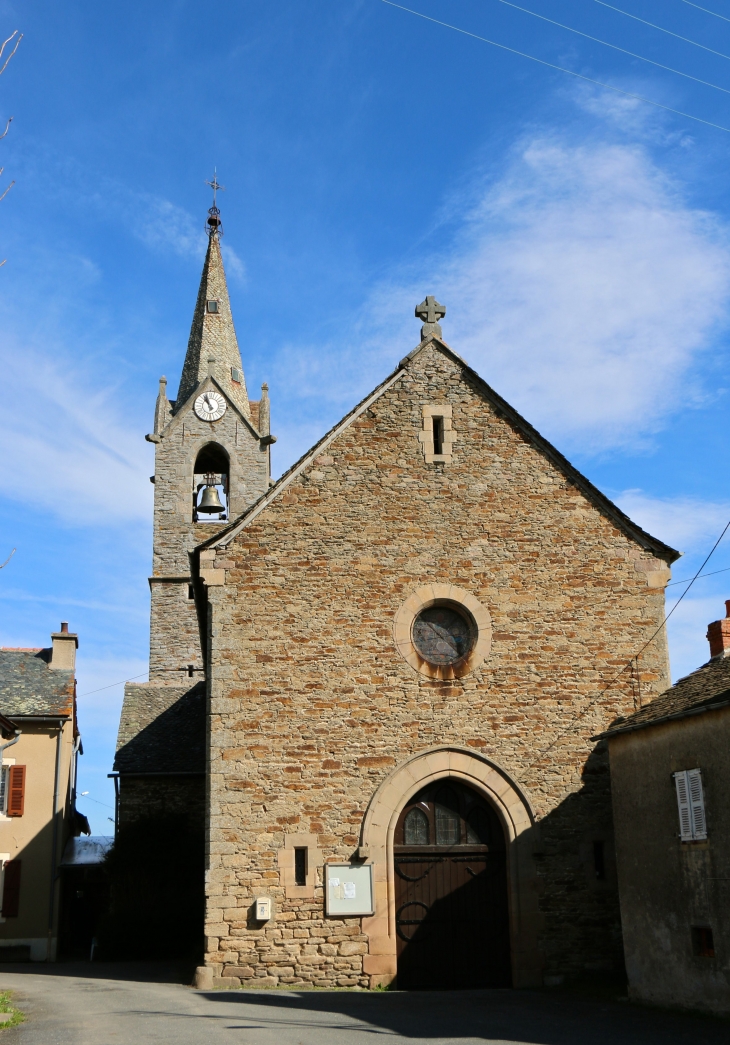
(685, 812)
(697, 803)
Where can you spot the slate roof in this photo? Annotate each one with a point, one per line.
(162, 730)
(704, 690)
(502, 408)
(29, 686)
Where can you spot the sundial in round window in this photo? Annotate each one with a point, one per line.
(443, 635)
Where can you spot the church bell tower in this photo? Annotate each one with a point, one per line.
(212, 460)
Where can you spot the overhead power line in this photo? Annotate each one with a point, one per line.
(559, 68)
(615, 47)
(661, 28)
(635, 659)
(111, 685)
(713, 574)
(707, 12)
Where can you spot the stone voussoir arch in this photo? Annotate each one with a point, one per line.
(515, 811)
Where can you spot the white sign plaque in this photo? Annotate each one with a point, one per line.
(349, 890)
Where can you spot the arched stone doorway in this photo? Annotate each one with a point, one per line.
(512, 808)
(452, 916)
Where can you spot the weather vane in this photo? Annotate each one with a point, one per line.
(214, 219)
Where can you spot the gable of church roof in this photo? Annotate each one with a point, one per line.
(503, 409)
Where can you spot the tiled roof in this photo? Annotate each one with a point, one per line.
(162, 729)
(29, 686)
(703, 690)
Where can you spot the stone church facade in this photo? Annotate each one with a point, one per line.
(406, 642)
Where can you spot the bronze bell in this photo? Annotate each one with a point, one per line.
(210, 502)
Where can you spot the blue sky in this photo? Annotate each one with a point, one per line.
(579, 238)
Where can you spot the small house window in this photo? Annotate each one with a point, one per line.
(691, 805)
(703, 945)
(300, 866)
(212, 305)
(12, 790)
(237, 375)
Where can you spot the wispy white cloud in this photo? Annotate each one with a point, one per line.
(580, 284)
(690, 524)
(67, 447)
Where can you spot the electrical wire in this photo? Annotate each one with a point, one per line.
(615, 47)
(635, 658)
(111, 686)
(707, 12)
(713, 574)
(560, 68)
(661, 28)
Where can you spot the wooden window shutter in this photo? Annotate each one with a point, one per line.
(697, 803)
(11, 889)
(685, 813)
(16, 790)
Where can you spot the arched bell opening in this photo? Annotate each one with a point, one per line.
(451, 891)
(211, 484)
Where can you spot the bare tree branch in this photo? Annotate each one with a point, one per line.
(8, 189)
(5, 43)
(7, 125)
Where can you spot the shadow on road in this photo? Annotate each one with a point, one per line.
(505, 1016)
(139, 972)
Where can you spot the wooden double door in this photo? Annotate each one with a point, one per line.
(452, 917)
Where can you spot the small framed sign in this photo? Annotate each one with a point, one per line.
(348, 890)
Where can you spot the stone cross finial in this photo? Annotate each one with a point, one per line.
(430, 312)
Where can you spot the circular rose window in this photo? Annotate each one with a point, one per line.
(443, 635)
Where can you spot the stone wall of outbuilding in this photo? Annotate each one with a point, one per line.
(670, 888)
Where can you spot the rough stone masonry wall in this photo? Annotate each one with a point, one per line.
(174, 634)
(312, 706)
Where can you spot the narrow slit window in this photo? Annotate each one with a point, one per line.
(599, 861)
(191, 591)
(300, 866)
(438, 435)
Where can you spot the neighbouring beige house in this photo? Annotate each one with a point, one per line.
(37, 813)
(375, 681)
(670, 778)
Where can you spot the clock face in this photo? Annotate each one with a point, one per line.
(209, 406)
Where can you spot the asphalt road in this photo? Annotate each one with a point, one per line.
(138, 1005)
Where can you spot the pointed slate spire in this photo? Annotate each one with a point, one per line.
(212, 334)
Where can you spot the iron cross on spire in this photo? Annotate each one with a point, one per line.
(215, 186)
(430, 312)
(214, 215)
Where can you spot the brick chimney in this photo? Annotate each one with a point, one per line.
(718, 634)
(65, 644)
